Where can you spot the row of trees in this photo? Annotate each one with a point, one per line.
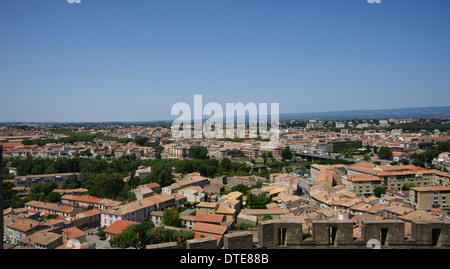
(140, 235)
(38, 166)
(104, 178)
(40, 192)
(432, 150)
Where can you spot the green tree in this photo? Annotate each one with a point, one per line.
(40, 191)
(404, 161)
(171, 217)
(106, 185)
(408, 186)
(225, 165)
(385, 153)
(127, 239)
(198, 152)
(378, 191)
(143, 234)
(101, 233)
(258, 201)
(72, 182)
(241, 188)
(140, 140)
(161, 174)
(264, 156)
(245, 226)
(53, 197)
(286, 153)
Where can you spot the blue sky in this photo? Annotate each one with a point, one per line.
(132, 60)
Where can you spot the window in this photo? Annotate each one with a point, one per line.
(383, 235)
(332, 233)
(282, 236)
(435, 234)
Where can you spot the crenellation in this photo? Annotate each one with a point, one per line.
(339, 234)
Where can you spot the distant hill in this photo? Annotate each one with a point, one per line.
(397, 113)
(437, 112)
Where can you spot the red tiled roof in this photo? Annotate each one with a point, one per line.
(24, 225)
(211, 218)
(209, 228)
(82, 198)
(359, 178)
(118, 226)
(11, 144)
(432, 188)
(73, 232)
(200, 235)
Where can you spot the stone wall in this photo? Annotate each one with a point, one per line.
(170, 245)
(431, 233)
(332, 233)
(283, 233)
(202, 243)
(238, 240)
(247, 219)
(339, 234)
(387, 232)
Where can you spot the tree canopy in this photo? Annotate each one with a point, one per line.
(384, 153)
(145, 233)
(198, 152)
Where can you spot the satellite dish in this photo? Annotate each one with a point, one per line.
(73, 244)
(374, 244)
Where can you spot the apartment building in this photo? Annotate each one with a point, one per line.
(179, 151)
(251, 152)
(225, 152)
(55, 209)
(362, 185)
(191, 180)
(43, 240)
(395, 177)
(87, 200)
(136, 211)
(87, 219)
(193, 194)
(427, 198)
(16, 229)
(163, 201)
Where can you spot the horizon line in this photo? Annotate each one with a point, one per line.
(280, 115)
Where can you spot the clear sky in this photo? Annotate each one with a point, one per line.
(132, 60)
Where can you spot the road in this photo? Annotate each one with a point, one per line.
(322, 156)
(95, 239)
(304, 182)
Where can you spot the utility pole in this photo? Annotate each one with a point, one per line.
(1, 196)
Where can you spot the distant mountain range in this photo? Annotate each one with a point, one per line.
(437, 112)
(396, 113)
